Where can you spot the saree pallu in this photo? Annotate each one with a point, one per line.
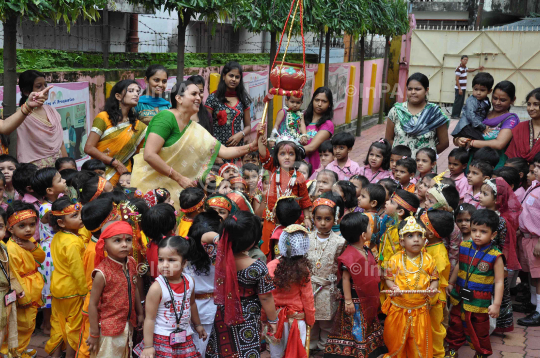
(193, 155)
(120, 142)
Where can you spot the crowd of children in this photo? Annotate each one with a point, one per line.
(388, 257)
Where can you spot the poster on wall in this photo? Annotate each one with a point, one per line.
(72, 101)
(257, 85)
(337, 82)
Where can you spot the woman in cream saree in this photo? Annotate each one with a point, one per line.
(179, 152)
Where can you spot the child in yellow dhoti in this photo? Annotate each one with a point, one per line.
(407, 330)
(24, 257)
(191, 204)
(399, 206)
(68, 284)
(94, 215)
(439, 224)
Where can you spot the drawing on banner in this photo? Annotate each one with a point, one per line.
(337, 82)
(256, 82)
(72, 101)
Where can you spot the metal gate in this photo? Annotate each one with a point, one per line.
(506, 55)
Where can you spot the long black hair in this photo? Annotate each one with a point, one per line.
(26, 83)
(328, 115)
(241, 92)
(112, 105)
(204, 117)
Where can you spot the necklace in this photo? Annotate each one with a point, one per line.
(318, 263)
(531, 135)
(290, 184)
(415, 273)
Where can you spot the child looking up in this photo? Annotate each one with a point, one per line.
(325, 246)
(25, 256)
(478, 173)
(325, 181)
(404, 172)
(439, 224)
(167, 334)
(114, 292)
(94, 216)
(191, 204)
(343, 166)
(476, 108)
(457, 163)
(228, 171)
(357, 328)
(158, 222)
(400, 205)
(326, 153)
(293, 295)
(422, 186)
(397, 153)
(477, 279)
(463, 219)
(377, 161)
(290, 120)
(497, 195)
(48, 184)
(125, 180)
(242, 288)
(65, 163)
(8, 164)
(408, 313)
(426, 162)
(284, 181)
(68, 285)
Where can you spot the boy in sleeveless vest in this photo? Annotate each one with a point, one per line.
(479, 273)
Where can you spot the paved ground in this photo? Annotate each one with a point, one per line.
(519, 343)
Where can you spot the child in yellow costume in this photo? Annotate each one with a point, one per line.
(68, 284)
(399, 206)
(94, 215)
(439, 224)
(407, 326)
(191, 204)
(24, 258)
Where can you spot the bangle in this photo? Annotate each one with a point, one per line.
(94, 336)
(170, 172)
(198, 325)
(349, 303)
(244, 134)
(148, 347)
(273, 321)
(112, 161)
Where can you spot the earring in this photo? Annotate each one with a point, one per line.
(337, 216)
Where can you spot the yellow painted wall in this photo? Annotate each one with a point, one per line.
(108, 87)
(372, 88)
(393, 69)
(350, 94)
(319, 76)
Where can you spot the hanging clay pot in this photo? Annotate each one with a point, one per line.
(292, 76)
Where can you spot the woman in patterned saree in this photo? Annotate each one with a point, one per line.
(116, 133)
(417, 123)
(178, 151)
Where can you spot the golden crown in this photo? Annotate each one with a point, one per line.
(412, 226)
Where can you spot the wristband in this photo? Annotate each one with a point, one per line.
(170, 172)
(273, 321)
(112, 161)
(244, 134)
(93, 336)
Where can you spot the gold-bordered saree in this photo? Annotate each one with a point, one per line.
(192, 155)
(120, 142)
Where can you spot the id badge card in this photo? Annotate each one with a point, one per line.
(466, 294)
(10, 297)
(177, 337)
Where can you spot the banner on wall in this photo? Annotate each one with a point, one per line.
(257, 85)
(338, 81)
(72, 101)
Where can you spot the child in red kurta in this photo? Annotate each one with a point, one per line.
(284, 181)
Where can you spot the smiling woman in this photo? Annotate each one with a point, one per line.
(171, 136)
(116, 133)
(152, 102)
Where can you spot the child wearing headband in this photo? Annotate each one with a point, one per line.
(25, 255)
(94, 187)
(68, 284)
(324, 248)
(228, 171)
(221, 204)
(115, 292)
(191, 204)
(411, 269)
(439, 224)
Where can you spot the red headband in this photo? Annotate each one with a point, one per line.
(425, 220)
(238, 180)
(100, 187)
(226, 166)
(116, 228)
(403, 203)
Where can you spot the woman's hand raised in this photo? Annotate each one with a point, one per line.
(37, 99)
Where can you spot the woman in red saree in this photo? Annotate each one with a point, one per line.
(525, 143)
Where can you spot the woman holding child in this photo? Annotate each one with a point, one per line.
(499, 122)
(417, 123)
(163, 161)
